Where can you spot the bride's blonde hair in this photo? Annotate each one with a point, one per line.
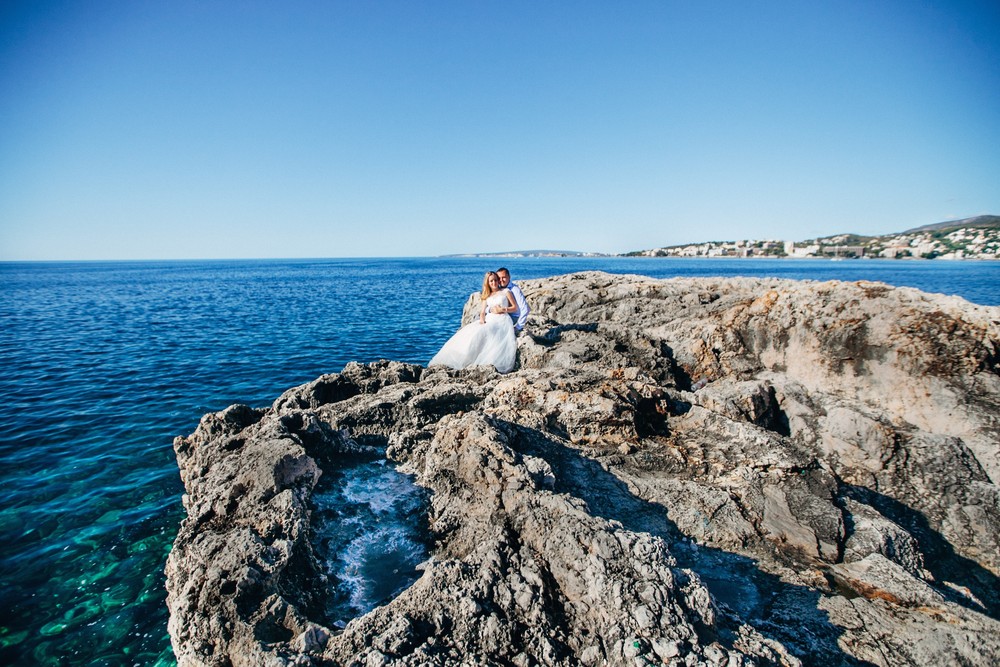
(486, 284)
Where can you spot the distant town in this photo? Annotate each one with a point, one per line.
(971, 238)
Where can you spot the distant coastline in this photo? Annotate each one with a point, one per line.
(531, 253)
(970, 238)
(527, 254)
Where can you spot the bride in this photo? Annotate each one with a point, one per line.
(491, 340)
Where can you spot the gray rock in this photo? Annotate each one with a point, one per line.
(686, 471)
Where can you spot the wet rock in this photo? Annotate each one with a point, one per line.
(686, 471)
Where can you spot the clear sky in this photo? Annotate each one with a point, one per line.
(201, 129)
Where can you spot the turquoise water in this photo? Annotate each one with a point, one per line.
(103, 363)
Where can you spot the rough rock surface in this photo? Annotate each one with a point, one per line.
(679, 472)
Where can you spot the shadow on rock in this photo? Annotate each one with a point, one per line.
(780, 611)
(940, 558)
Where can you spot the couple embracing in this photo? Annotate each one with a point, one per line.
(492, 339)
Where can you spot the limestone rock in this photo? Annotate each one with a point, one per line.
(686, 471)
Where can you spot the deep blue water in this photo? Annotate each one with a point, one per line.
(103, 363)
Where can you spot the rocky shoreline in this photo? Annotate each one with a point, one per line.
(687, 471)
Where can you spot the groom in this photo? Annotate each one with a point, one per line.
(520, 316)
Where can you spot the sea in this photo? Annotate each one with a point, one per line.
(102, 364)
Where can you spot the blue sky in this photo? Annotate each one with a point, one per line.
(161, 130)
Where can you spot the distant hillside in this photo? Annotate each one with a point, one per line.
(972, 238)
(986, 221)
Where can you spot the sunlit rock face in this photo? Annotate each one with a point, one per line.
(687, 471)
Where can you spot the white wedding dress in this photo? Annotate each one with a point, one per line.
(475, 344)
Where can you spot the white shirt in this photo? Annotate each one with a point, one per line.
(521, 315)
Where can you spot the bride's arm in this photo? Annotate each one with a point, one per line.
(513, 304)
(482, 313)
